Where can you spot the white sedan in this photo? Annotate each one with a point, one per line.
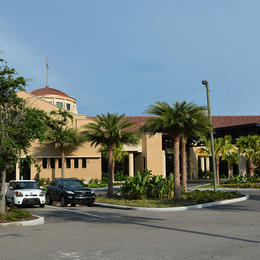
(24, 192)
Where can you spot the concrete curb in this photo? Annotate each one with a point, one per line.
(34, 222)
(205, 205)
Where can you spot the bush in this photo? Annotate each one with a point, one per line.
(144, 185)
(104, 177)
(14, 213)
(209, 196)
(119, 176)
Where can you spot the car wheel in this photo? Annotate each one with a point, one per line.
(42, 205)
(73, 205)
(91, 204)
(48, 200)
(63, 201)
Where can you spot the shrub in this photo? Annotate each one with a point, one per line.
(104, 177)
(144, 185)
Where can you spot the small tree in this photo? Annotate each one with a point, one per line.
(19, 124)
(61, 136)
(250, 145)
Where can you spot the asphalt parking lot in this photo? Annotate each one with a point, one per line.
(222, 232)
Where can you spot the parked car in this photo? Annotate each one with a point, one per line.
(68, 190)
(24, 192)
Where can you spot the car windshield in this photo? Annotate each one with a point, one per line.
(73, 184)
(26, 185)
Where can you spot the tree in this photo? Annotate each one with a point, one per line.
(174, 120)
(110, 130)
(231, 157)
(61, 135)
(19, 124)
(221, 147)
(196, 125)
(250, 145)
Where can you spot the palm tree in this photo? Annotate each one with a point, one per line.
(197, 125)
(231, 157)
(250, 145)
(61, 136)
(110, 130)
(221, 147)
(174, 120)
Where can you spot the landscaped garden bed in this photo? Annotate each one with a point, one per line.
(14, 214)
(188, 199)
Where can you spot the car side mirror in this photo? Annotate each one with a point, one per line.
(41, 187)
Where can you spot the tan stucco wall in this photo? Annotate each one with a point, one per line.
(92, 154)
(152, 151)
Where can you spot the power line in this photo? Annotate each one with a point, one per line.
(141, 100)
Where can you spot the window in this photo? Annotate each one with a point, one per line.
(59, 104)
(53, 163)
(59, 162)
(76, 163)
(84, 163)
(68, 163)
(44, 163)
(68, 106)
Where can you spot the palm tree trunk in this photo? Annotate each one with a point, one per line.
(63, 164)
(183, 164)
(217, 169)
(110, 171)
(176, 170)
(250, 164)
(231, 171)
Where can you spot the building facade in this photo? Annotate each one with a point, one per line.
(154, 153)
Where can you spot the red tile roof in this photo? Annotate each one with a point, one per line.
(227, 121)
(49, 91)
(217, 121)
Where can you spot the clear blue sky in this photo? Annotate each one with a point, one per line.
(121, 56)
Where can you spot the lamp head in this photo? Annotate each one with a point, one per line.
(204, 82)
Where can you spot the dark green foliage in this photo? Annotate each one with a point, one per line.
(19, 124)
(145, 185)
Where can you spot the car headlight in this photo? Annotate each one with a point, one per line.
(18, 194)
(69, 192)
(92, 192)
(41, 194)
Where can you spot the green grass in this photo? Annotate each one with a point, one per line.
(188, 199)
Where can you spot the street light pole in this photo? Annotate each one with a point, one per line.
(205, 82)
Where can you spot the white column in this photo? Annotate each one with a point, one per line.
(163, 164)
(207, 164)
(131, 164)
(17, 171)
(202, 163)
(241, 164)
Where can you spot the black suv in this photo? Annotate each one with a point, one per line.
(68, 191)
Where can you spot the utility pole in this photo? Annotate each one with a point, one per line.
(205, 82)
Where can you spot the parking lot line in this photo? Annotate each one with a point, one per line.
(78, 212)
